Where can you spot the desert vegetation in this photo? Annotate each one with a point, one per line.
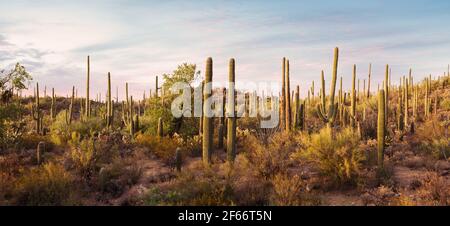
(362, 146)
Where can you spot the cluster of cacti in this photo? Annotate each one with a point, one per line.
(328, 112)
(69, 112)
(299, 111)
(129, 116)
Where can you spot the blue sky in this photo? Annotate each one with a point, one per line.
(136, 40)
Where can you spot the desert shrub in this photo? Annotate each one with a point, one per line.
(433, 138)
(12, 125)
(445, 104)
(384, 196)
(87, 155)
(435, 190)
(49, 184)
(205, 189)
(272, 158)
(114, 178)
(162, 147)
(62, 132)
(336, 155)
(287, 190)
(249, 187)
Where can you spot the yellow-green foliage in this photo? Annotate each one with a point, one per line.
(61, 132)
(207, 189)
(162, 147)
(433, 138)
(49, 184)
(335, 155)
(445, 104)
(287, 190)
(271, 158)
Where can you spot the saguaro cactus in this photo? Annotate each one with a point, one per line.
(36, 112)
(109, 105)
(52, 106)
(381, 128)
(386, 93)
(368, 80)
(39, 152)
(328, 116)
(288, 110)
(353, 100)
(231, 114)
(160, 130)
(69, 113)
(207, 144)
(296, 107)
(283, 96)
(88, 101)
(178, 159)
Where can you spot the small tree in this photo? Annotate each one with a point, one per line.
(13, 81)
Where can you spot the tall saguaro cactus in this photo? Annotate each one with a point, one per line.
(69, 112)
(328, 115)
(283, 95)
(368, 80)
(231, 113)
(288, 110)
(353, 100)
(52, 106)
(386, 93)
(207, 144)
(381, 128)
(88, 102)
(36, 111)
(109, 105)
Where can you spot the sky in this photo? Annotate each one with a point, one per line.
(137, 40)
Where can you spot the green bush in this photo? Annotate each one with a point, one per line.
(61, 132)
(336, 155)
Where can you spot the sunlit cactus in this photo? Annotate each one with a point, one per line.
(381, 128)
(328, 115)
(207, 144)
(231, 113)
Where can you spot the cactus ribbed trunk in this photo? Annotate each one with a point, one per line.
(52, 107)
(88, 102)
(283, 96)
(386, 93)
(381, 128)
(368, 80)
(288, 99)
(328, 113)
(109, 110)
(160, 128)
(353, 100)
(231, 114)
(207, 144)
(297, 108)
